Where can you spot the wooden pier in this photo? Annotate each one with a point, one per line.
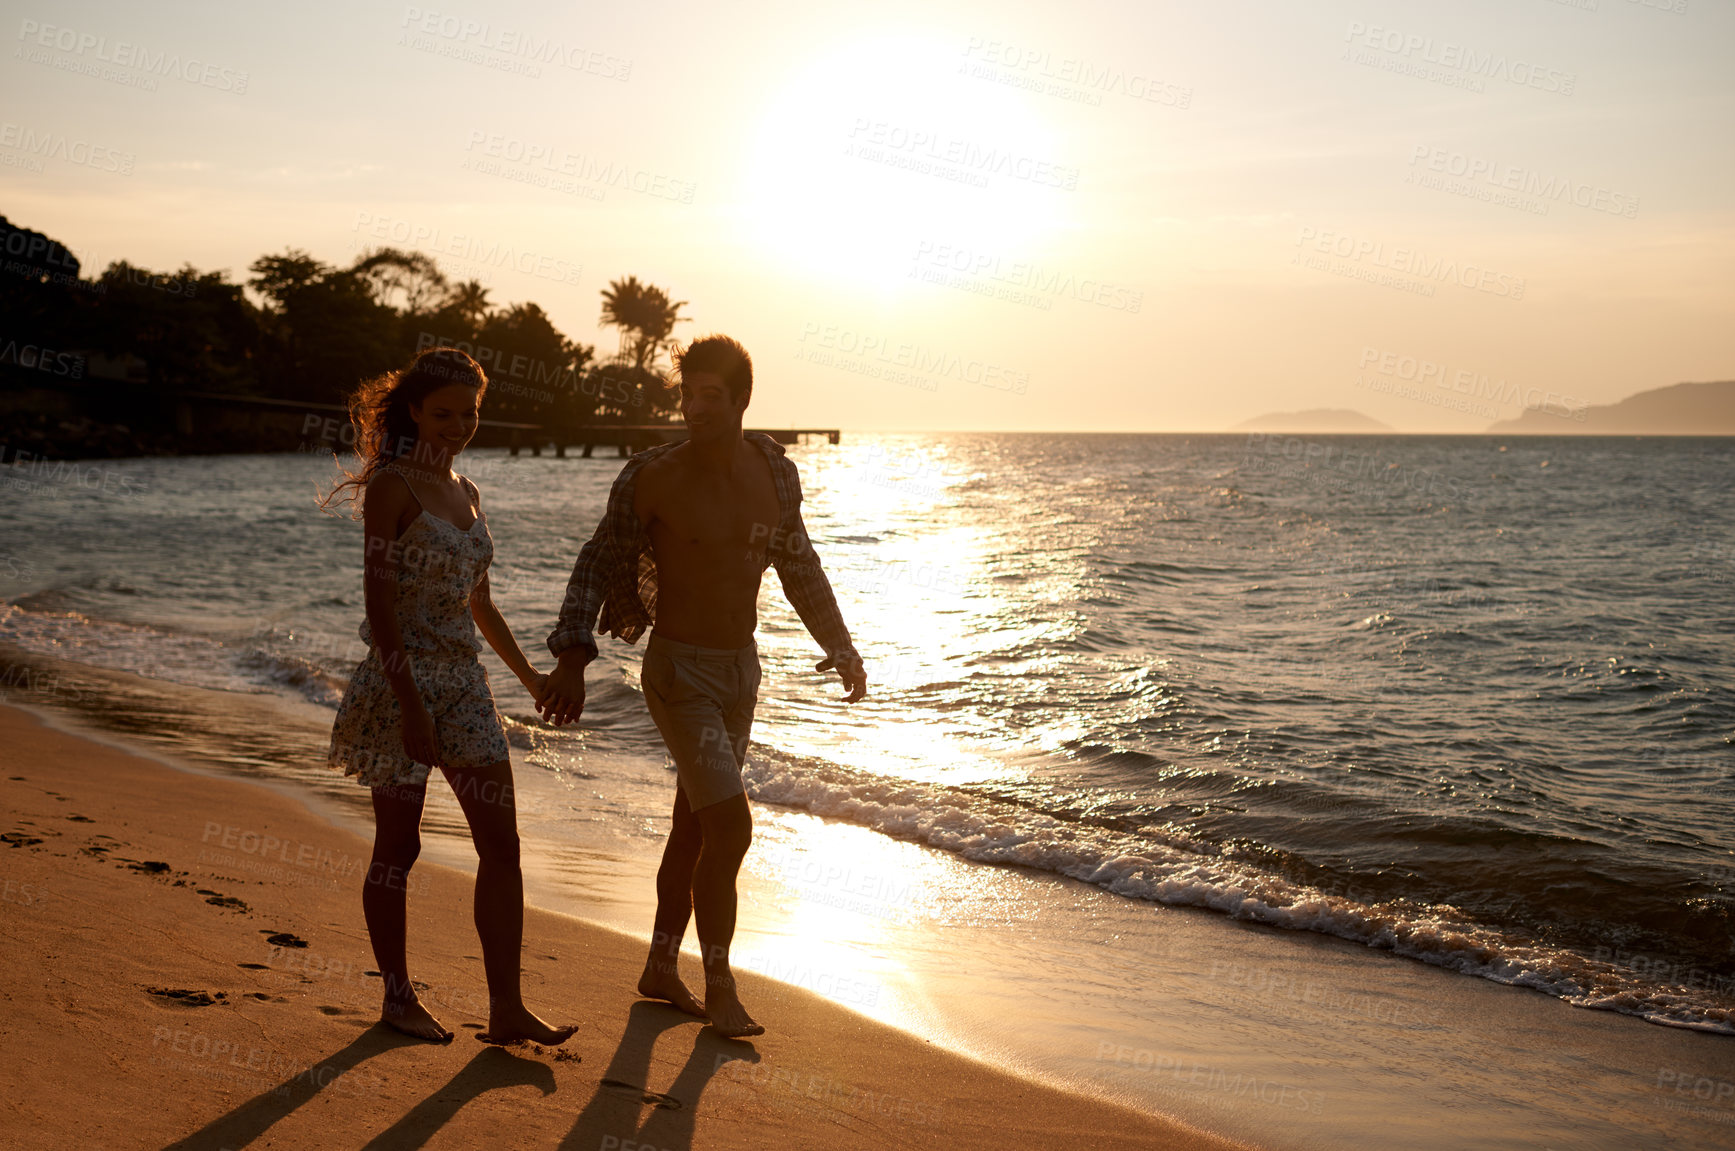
(210, 421)
(628, 438)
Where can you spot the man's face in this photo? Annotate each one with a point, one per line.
(707, 408)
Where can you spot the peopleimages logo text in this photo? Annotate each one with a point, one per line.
(1410, 262)
(1459, 58)
(1524, 180)
(955, 150)
(59, 146)
(516, 42)
(926, 362)
(124, 55)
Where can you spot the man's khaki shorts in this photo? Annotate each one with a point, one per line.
(702, 700)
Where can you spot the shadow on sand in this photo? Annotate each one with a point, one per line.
(256, 1116)
(618, 1107)
(493, 1067)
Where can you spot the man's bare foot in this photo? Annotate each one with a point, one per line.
(660, 981)
(728, 1017)
(518, 1024)
(413, 1019)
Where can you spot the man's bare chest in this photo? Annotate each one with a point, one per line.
(694, 512)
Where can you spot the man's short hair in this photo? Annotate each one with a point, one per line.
(720, 356)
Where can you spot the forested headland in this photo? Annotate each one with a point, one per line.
(112, 363)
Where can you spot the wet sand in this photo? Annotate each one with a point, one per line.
(187, 966)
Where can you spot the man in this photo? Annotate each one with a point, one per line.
(688, 532)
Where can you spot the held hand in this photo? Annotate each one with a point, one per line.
(562, 698)
(420, 741)
(537, 685)
(852, 673)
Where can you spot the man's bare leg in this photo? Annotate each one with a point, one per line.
(661, 978)
(384, 895)
(727, 829)
(486, 796)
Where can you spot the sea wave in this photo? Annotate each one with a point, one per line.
(1185, 871)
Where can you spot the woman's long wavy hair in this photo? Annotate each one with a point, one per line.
(379, 409)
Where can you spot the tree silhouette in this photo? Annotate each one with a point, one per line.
(299, 328)
(645, 317)
(469, 301)
(323, 326)
(410, 280)
(534, 372)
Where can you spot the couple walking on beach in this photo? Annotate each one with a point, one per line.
(687, 534)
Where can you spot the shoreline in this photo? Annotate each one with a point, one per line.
(1274, 1037)
(224, 1003)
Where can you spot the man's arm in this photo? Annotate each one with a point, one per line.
(809, 592)
(584, 592)
(573, 642)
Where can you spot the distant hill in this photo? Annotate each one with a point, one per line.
(1679, 410)
(1314, 420)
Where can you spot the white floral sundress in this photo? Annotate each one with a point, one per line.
(439, 566)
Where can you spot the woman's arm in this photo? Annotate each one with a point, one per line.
(493, 627)
(383, 508)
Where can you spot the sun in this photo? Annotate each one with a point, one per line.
(884, 144)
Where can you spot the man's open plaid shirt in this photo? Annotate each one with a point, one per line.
(616, 575)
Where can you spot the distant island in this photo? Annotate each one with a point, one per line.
(1324, 420)
(1677, 410)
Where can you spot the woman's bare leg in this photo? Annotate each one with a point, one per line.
(384, 895)
(485, 793)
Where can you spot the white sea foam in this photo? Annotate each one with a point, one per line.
(1184, 872)
(259, 664)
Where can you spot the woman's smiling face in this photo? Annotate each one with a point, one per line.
(447, 418)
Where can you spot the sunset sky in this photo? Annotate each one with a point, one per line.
(1091, 216)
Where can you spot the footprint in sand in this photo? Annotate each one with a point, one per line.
(282, 938)
(265, 998)
(148, 866)
(218, 899)
(81, 819)
(560, 1054)
(254, 966)
(186, 997)
(19, 839)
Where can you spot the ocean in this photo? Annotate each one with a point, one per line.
(1467, 701)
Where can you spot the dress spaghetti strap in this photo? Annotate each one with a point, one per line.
(392, 467)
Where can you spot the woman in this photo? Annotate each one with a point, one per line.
(420, 698)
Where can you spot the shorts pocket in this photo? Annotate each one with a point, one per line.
(659, 674)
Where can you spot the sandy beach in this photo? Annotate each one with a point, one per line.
(187, 966)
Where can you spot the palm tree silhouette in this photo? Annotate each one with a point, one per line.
(470, 300)
(645, 317)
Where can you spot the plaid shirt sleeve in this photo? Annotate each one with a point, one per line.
(584, 591)
(802, 576)
(597, 572)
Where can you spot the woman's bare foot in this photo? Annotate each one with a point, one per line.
(660, 981)
(413, 1019)
(728, 1017)
(515, 1024)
